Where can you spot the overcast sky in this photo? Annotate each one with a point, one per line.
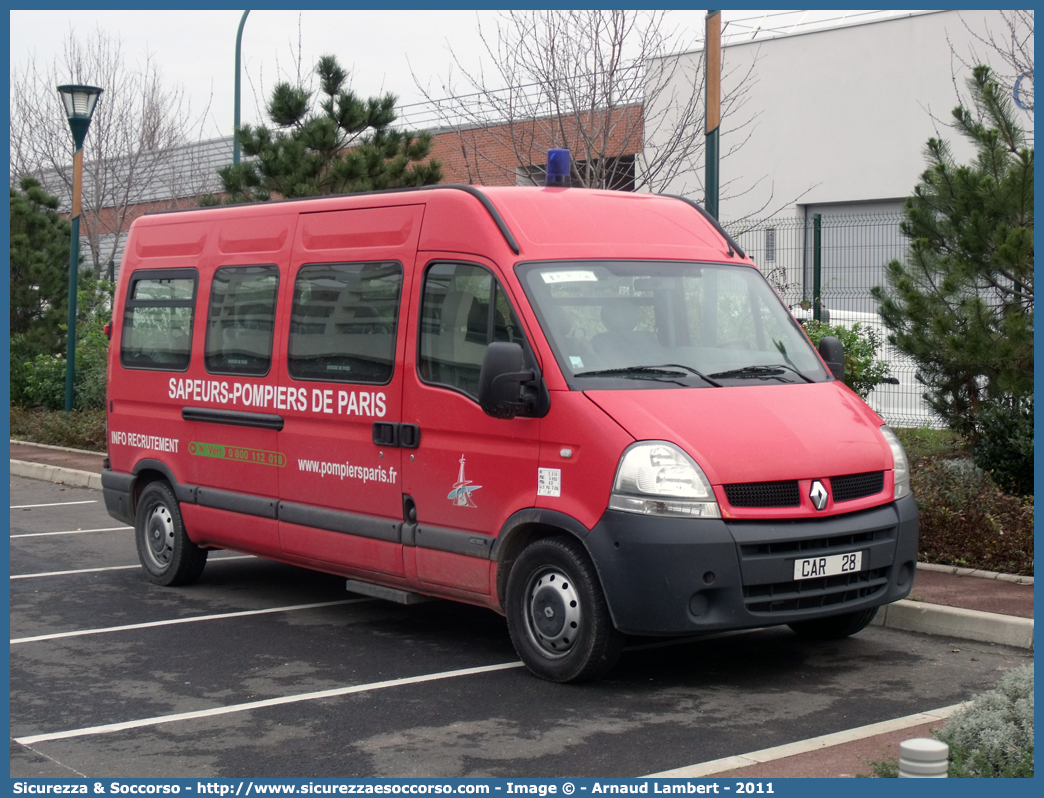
(196, 49)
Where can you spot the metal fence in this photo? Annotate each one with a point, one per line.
(852, 253)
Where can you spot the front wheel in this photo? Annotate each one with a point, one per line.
(164, 549)
(557, 615)
(836, 626)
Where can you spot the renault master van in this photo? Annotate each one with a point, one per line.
(585, 410)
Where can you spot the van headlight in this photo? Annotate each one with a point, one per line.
(658, 478)
(902, 465)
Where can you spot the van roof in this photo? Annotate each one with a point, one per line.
(535, 223)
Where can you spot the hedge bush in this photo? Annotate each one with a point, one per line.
(80, 429)
(967, 520)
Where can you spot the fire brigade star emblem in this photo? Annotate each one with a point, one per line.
(462, 489)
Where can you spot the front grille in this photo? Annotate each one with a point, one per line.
(856, 486)
(767, 556)
(815, 546)
(809, 594)
(764, 494)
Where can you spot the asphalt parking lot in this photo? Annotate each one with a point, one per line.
(266, 670)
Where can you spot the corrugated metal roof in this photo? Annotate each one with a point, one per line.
(157, 176)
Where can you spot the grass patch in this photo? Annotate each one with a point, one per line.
(925, 443)
(80, 429)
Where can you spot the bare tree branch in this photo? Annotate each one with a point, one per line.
(132, 144)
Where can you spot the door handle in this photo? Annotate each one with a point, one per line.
(387, 433)
(409, 436)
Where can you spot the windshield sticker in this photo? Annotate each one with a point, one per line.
(569, 277)
(549, 482)
(462, 489)
(576, 362)
(238, 454)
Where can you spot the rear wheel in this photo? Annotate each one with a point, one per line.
(557, 614)
(164, 549)
(836, 626)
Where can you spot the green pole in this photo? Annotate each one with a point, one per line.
(712, 51)
(817, 263)
(79, 102)
(235, 120)
(70, 346)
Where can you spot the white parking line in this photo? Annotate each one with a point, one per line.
(118, 568)
(268, 702)
(705, 769)
(70, 532)
(52, 504)
(174, 621)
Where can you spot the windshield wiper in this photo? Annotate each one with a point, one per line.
(757, 372)
(647, 372)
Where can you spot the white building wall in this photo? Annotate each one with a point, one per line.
(840, 115)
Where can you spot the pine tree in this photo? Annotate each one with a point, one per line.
(962, 304)
(39, 269)
(346, 147)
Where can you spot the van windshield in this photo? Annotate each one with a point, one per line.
(642, 324)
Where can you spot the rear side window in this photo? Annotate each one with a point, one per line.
(157, 320)
(463, 309)
(241, 320)
(343, 323)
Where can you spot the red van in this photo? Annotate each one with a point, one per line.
(585, 410)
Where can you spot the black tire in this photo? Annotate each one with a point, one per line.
(557, 614)
(164, 550)
(836, 626)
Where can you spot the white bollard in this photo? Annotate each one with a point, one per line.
(923, 758)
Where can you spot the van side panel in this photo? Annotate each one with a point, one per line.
(347, 337)
(238, 454)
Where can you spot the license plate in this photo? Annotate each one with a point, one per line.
(835, 564)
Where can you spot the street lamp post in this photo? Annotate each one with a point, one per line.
(79, 104)
(235, 121)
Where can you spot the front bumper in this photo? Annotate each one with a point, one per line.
(666, 576)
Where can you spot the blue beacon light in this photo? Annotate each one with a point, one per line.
(557, 168)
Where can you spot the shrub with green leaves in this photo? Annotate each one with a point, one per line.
(38, 378)
(863, 371)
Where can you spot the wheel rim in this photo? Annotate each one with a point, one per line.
(159, 536)
(553, 612)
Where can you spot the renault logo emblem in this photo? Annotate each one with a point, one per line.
(818, 495)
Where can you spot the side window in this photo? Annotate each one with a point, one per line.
(342, 327)
(157, 320)
(241, 320)
(463, 309)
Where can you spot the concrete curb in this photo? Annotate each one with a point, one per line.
(57, 474)
(56, 448)
(716, 766)
(1018, 579)
(941, 621)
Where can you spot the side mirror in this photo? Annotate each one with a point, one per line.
(505, 385)
(833, 353)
